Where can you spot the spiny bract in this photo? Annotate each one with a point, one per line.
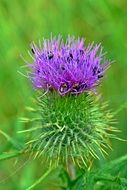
(71, 128)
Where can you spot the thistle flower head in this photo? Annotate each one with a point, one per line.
(70, 67)
(70, 127)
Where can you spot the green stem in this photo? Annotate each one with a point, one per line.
(40, 179)
(71, 169)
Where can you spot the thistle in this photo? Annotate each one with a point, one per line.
(74, 124)
(67, 68)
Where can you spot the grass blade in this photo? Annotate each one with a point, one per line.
(9, 155)
(40, 179)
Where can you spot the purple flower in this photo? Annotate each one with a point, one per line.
(70, 67)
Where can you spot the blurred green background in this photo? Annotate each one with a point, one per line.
(24, 21)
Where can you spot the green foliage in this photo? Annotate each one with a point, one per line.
(110, 176)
